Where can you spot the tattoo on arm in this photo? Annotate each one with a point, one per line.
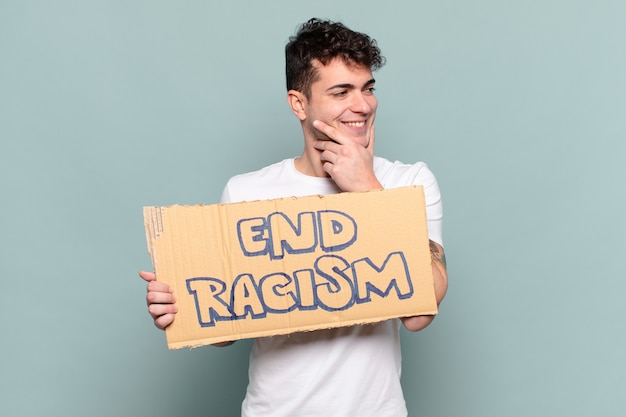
(437, 253)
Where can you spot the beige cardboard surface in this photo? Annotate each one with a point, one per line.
(270, 267)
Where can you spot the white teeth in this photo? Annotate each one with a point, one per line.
(355, 124)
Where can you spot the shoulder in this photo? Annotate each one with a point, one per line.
(255, 185)
(261, 174)
(398, 174)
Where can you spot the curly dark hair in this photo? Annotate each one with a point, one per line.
(324, 40)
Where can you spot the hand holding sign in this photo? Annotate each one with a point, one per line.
(349, 163)
(160, 300)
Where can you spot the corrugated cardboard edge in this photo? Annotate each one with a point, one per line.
(153, 223)
(192, 344)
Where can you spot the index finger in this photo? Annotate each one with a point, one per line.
(328, 130)
(156, 286)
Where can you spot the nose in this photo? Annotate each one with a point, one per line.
(363, 103)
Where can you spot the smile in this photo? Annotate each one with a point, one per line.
(355, 124)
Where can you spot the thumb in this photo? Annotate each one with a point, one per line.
(147, 276)
(370, 144)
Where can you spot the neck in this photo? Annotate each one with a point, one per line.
(309, 162)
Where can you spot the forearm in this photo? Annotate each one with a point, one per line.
(440, 274)
(440, 281)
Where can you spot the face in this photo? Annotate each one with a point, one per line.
(343, 97)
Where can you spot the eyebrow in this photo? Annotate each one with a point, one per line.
(349, 86)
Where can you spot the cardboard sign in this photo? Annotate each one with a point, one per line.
(254, 269)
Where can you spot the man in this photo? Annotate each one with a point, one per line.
(349, 371)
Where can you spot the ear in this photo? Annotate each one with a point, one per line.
(298, 102)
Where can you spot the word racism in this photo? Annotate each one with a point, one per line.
(332, 283)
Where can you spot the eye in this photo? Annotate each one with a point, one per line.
(370, 90)
(341, 93)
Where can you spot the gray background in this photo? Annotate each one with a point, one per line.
(518, 107)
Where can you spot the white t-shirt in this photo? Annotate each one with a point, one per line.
(349, 371)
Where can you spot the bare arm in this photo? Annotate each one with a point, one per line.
(350, 165)
(440, 277)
